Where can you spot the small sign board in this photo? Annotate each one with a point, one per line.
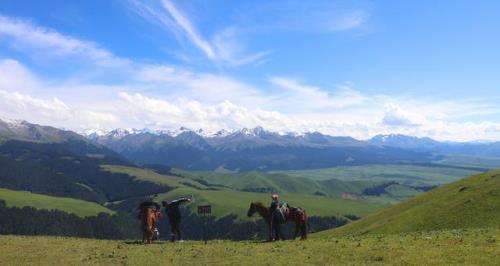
(204, 209)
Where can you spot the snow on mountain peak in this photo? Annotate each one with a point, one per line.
(13, 122)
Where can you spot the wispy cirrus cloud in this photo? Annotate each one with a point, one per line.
(313, 97)
(187, 27)
(227, 45)
(25, 35)
(318, 17)
(347, 21)
(223, 48)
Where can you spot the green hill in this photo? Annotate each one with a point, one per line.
(473, 202)
(227, 201)
(402, 173)
(280, 182)
(227, 192)
(141, 174)
(81, 208)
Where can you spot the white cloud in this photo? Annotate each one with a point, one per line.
(52, 111)
(205, 87)
(312, 97)
(396, 116)
(15, 104)
(316, 17)
(15, 76)
(347, 21)
(42, 41)
(229, 49)
(213, 102)
(164, 114)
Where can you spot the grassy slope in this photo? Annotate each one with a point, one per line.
(472, 247)
(410, 174)
(469, 203)
(226, 200)
(471, 161)
(281, 182)
(230, 201)
(149, 175)
(81, 208)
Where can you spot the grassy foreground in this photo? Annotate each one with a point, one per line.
(14, 198)
(467, 247)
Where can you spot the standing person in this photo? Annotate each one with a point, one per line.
(276, 218)
(174, 216)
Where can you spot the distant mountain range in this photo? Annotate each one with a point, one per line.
(474, 148)
(249, 149)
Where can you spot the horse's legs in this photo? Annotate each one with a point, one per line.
(278, 233)
(297, 226)
(272, 232)
(304, 231)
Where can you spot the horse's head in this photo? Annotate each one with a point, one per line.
(251, 211)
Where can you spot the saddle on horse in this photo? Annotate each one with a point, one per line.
(283, 210)
(288, 212)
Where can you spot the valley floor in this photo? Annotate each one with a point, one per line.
(467, 247)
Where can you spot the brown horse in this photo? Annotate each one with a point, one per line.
(149, 218)
(296, 215)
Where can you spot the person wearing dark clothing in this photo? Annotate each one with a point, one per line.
(276, 218)
(174, 216)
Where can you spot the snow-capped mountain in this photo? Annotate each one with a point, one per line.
(398, 140)
(23, 130)
(249, 148)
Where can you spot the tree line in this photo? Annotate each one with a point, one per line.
(31, 221)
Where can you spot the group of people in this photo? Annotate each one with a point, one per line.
(277, 211)
(173, 214)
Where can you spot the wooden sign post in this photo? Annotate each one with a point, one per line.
(205, 210)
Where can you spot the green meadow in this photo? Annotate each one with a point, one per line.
(225, 202)
(226, 194)
(407, 174)
(451, 247)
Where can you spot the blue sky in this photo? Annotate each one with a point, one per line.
(358, 68)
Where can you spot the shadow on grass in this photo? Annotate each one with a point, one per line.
(166, 242)
(139, 242)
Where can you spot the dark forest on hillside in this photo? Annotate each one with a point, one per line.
(30, 221)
